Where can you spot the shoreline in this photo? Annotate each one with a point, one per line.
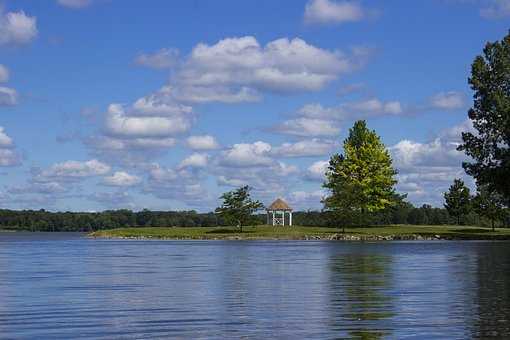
(260, 233)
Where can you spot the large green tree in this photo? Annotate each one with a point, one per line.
(489, 146)
(457, 199)
(238, 207)
(489, 204)
(362, 179)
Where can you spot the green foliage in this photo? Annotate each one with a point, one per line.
(457, 199)
(489, 204)
(489, 147)
(361, 180)
(238, 207)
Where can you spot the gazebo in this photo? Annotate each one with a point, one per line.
(278, 209)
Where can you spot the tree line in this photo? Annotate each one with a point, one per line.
(402, 213)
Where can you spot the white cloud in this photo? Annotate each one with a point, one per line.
(236, 69)
(315, 120)
(5, 140)
(305, 148)
(330, 11)
(4, 74)
(164, 58)
(427, 169)
(8, 156)
(121, 179)
(17, 28)
(308, 127)
(448, 100)
(118, 123)
(306, 199)
(69, 170)
(49, 188)
(203, 142)
(196, 160)
(75, 4)
(317, 171)
(8, 96)
(247, 155)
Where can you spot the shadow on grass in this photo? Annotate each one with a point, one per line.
(228, 231)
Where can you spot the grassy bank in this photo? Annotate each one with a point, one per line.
(302, 233)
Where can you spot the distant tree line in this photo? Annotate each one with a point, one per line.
(402, 213)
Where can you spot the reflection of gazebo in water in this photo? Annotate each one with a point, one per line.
(278, 209)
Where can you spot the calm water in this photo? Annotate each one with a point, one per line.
(67, 286)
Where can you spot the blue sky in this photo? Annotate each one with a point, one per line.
(167, 104)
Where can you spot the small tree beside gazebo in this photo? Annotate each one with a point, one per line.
(276, 213)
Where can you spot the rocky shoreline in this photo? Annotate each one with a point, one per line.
(333, 237)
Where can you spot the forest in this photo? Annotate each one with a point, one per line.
(42, 220)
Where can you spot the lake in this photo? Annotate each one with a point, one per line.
(64, 285)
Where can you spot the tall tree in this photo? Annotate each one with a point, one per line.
(457, 199)
(489, 147)
(489, 204)
(362, 179)
(238, 207)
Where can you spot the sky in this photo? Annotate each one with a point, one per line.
(108, 104)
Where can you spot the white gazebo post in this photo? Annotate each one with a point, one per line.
(278, 209)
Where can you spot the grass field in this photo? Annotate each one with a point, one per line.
(299, 233)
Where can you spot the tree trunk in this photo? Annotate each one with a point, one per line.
(458, 219)
(492, 222)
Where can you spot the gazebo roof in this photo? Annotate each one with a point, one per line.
(279, 204)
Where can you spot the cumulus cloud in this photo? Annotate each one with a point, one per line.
(306, 199)
(331, 11)
(448, 100)
(4, 74)
(164, 58)
(121, 179)
(305, 148)
(8, 154)
(48, 188)
(72, 170)
(196, 160)
(8, 96)
(118, 123)
(75, 4)
(315, 120)
(247, 155)
(17, 28)
(308, 127)
(317, 171)
(238, 69)
(427, 169)
(142, 130)
(182, 184)
(203, 142)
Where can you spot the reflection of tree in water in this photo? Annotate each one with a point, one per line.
(361, 300)
(493, 294)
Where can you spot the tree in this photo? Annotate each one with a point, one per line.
(362, 179)
(457, 199)
(489, 147)
(238, 207)
(489, 204)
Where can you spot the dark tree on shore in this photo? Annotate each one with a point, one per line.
(489, 146)
(457, 199)
(489, 204)
(361, 180)
(238, 207)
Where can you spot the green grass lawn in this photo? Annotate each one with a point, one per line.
(298, 232)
